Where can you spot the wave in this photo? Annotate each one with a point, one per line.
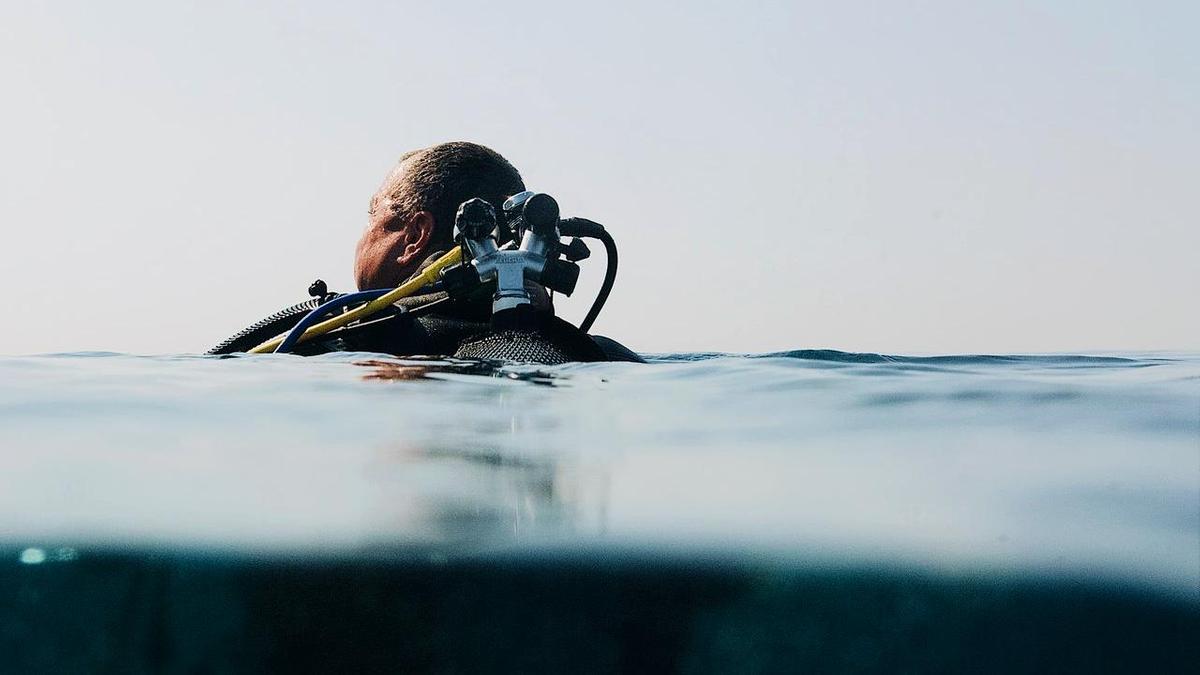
(835, 356)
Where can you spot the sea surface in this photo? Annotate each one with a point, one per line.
(851, 506)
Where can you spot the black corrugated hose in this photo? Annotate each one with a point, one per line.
(256, 333)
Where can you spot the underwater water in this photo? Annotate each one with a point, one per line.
(703, 512)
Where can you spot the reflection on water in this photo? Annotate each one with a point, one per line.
(467, 497)
(473, 494)
(418, 368)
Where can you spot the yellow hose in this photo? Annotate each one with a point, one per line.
(427, 276)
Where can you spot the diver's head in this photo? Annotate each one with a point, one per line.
(412, 214)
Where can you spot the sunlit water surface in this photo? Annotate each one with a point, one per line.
(1080, 468)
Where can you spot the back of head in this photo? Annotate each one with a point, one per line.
(432, 181)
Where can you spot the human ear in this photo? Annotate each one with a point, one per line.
(419, 232)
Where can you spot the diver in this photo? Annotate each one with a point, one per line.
(457, 259)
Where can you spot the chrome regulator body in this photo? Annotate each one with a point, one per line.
(535, 217)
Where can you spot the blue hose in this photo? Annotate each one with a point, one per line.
(319, 313)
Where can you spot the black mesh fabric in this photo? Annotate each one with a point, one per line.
(512, 345)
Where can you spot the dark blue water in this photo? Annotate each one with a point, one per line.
(844, 511)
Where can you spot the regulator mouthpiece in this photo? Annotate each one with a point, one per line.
(529, 210)
(541, 214)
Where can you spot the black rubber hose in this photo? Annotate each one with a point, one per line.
(610, 277)
(257, 333)
(582, 227)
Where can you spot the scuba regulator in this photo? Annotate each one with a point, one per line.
(532, 219)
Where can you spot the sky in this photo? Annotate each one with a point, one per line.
(896, 177)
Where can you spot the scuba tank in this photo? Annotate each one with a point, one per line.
(444, 311)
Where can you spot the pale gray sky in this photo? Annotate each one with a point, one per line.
(884, 176)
